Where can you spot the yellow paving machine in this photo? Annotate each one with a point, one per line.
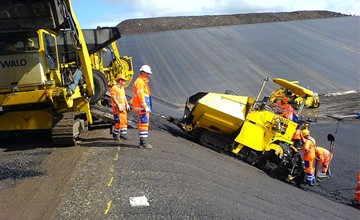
(247, 128)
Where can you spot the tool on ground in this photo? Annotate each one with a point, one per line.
(332, 139)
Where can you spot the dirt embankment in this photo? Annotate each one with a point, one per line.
(135, 26)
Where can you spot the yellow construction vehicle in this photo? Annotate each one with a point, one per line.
(107, 64)
(105, 58)
(295, 100)
(46, 77)
(247, 128)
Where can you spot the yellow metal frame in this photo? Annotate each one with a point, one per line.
(83, 54)
(260, 132)
(299, 92)
(121, 65)
(26, 120)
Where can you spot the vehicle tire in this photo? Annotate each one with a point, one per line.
(316, 105)
(100, 86)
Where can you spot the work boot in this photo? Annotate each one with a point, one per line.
(320, 179)
(116, 137)
(313, 184)
(355, 203)
(124, 137)
(143, 144)
(322, 175)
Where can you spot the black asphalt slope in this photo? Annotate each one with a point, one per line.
(322, 53)
(183, 180)
(346, 160)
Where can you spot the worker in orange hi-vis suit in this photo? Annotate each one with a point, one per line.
(142, 105)
(276, 103)
(120, 107)
(287, 110)
(356, 200)
(323, 156)
(309, 157)
(297, 138)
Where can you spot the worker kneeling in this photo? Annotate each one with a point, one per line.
(309, 157)
(323, 156)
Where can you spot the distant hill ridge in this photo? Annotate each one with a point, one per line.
(144, 25)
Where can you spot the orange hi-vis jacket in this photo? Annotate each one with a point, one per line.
(309, 147)
(298, 139)
(119, 94)
(323, 154)
(309, 155)
(298, 136)
(288, 111)
(141, 95)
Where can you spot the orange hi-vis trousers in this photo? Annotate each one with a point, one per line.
(143, 125)
(309, 155)
(120, 123)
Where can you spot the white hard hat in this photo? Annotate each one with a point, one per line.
(146, 69)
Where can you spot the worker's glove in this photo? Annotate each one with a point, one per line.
(127, 108)
(121, 109)
(145, 107)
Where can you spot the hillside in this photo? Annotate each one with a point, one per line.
(135, 26)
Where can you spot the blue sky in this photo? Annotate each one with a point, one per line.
(111, 12)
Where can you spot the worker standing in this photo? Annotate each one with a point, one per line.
(120, 107)
(142, 105)
(324, 157)
(356, 200)
(309, 157)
